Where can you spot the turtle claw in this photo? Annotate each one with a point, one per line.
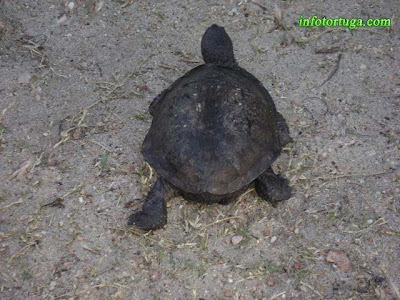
(144, 221)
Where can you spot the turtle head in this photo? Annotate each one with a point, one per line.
(216, 46)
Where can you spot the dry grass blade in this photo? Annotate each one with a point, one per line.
(98, 286)
(333, 72)
(86, 247)
(326, 50)
(312, 289)
(74, 190)
(316, 36)
(10, 205)
(19, 252)
(135, 232)
(22, 171)
(379, 222)
(165, 66)
(4, 111)
(350, 175)
(277, 295)
(212, 224)
(241, 197)
(394, 289)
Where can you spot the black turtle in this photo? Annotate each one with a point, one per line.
(214, 132)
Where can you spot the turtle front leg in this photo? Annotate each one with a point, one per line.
(272, 188)
(154, 210)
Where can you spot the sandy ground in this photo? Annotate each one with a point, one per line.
(75, 84)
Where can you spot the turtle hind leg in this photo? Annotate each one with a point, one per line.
(272, 188)
(154, 211)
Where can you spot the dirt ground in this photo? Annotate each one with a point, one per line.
(76, 80)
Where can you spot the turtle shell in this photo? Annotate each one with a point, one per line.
(214, 130)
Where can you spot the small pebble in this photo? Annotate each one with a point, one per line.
(154, 276)
(236, 239)
(228, 294)
(370, 221)
(358, 48)
(363, 67)
(79, 274)
(71, 5)
(271, 282)
(52, 285)
(62, 20)
(273, 239)
(232, 12)
(24, 78)
(99, 6)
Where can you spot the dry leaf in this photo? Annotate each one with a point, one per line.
(339, 258)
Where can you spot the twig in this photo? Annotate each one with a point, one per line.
(371, 30)
(222, 220)
(316, 36)
(37, 162)
(326, 50)
(259, 5)
(19, 252)
(311, 288)
(351, 175)
(21, 172)
(86, 247)
(277, 295)
(369, 227)
(101, 145)
(56, 203)
(394, 289)
(142, 235)
(241, 197)
(74, 190)
(168, 67)
(211, 224)
(3, 112)
(334, 70)
(101, 285)
(192, 61)
(11, 204)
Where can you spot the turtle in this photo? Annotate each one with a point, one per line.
(215, 131)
